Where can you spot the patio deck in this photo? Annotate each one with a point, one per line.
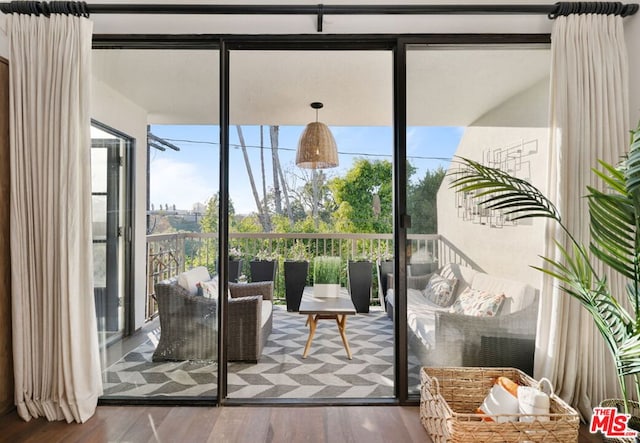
(281, 373)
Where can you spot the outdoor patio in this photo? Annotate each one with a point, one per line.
(281, 372)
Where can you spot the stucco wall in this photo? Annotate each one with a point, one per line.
(506, 251)
(113, 109)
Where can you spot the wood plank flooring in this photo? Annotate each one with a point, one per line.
(133, 424)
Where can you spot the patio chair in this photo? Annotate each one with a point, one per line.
(189, 323)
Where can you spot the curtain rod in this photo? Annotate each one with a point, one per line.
(551, 10)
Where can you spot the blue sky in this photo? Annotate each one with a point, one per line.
(191, 175)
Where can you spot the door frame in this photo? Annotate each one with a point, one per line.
(395, 42)
(127, 198)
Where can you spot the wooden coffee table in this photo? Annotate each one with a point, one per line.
(329, 308)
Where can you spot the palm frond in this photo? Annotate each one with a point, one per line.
(504, 192)
(632, 166)
(612, 176)
(577, 279)
(628, 355)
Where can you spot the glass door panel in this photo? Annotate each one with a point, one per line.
(296, 219)
(106, 151)
(495, 113)
(167, 99)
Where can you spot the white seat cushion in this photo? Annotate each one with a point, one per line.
(266, 311)
(421, 317)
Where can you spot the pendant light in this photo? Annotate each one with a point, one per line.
(317, 148)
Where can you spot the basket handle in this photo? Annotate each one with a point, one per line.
(544, 379)
(437, 383)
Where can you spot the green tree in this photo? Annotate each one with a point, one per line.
(422, 202)
(249, 223)
(364, 197)
(209, 221)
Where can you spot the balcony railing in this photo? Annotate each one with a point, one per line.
(170, 254)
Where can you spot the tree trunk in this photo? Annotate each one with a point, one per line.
(316, 198)
(276, 179)
(265, 208)
(274, 150)
(261, 215)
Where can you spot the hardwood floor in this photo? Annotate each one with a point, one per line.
(133, 424)
(228, 424)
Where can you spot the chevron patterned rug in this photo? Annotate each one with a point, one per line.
(326, 373)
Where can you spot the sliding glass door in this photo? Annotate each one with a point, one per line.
(168, 101)
(297, 211)
(229, 198)
(470, 288)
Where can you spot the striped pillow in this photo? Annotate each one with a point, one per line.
(440, 290)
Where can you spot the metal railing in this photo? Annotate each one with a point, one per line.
(170, 254)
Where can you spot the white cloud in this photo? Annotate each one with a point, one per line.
(179, 183)
(413, 141)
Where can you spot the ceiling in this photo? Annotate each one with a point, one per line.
(445, 86)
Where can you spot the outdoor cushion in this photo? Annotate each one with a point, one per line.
(267, 307)
(209, 288)
(189, 279)
(518, 295)
(478, 303)
(440, 290)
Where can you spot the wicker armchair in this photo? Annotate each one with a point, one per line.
(247, 336)
(189, 324)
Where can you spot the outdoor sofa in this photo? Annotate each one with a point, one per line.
(438, 336)
(189, 323)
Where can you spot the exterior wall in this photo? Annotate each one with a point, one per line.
(511, 250)
(113, 109)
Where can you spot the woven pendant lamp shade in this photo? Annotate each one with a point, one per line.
(317, 148)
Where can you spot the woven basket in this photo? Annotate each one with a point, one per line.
(619, 404)
(450, 397)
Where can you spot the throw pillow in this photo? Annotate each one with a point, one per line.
(478, 303)
(189, 278)
(440, 290)
(209, 288)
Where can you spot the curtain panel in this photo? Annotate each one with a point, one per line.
(589, 122)
(57, 366)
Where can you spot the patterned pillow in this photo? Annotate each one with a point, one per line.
(208, 289)
(440, 290)
(478, 303)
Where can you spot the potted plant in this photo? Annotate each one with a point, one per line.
(614, 222)
(360, 277)
(264, 267)
(326, 276)
(296, 269)
(384, 268)
(235, 264)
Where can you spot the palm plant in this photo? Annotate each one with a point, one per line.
(614, 218)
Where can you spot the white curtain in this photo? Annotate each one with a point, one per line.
(589, 121)
(55, 342)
